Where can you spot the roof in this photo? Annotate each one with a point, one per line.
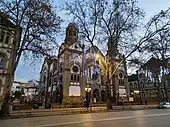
(154, 63)
(72, 25)
(133, 77)
(19, 82)
(5, 20)
(94, 49)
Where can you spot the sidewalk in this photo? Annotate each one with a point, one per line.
(53, 112)
(66, 111)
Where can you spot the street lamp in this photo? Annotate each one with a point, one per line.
(89, 98)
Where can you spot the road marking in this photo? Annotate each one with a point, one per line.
(108, 119)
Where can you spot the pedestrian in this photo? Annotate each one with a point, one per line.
(146, 102)
(87, 105)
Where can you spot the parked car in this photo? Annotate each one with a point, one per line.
(16, 101)
(164, 105)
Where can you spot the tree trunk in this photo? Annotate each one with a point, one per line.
(165, 85)
(139, 88)
(4, 112)
(109, 103)
(159, 89)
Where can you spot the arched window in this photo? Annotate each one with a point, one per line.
(135, 85)
(61, 69)
(75, 69)
(120, 75)
(44, 79)
(69, 33)
(2, 61)
(2, 35)
(7, 38)
(74, 33)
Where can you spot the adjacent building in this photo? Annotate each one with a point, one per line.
(28, 89)
(150, 83)
(9, 42)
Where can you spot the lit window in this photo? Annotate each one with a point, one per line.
(74, 91)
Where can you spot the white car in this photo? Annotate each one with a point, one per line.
(164, 105)
(16, 101)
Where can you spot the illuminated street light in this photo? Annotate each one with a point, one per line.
(87, 89)
(136, 91)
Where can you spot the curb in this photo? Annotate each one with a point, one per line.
(71, 112)
(54, 114)
(76, 112)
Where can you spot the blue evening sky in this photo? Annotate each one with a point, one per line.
(26, 72)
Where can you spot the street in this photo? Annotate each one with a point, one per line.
(140, 118)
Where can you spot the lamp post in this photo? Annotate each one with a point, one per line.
(89, 98)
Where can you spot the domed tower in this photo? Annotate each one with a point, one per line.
(71, 34)
(70, 60)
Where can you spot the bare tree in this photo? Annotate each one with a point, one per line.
(39, 23)
(105, 21)
(115, 23)
(85, 14)
(159, 45)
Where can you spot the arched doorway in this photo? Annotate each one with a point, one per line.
(103, 95)
(95, 95)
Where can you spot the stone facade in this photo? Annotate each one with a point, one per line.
(80, 73)
(70, 65)
(9, 42)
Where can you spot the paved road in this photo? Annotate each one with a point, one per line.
(140, 118)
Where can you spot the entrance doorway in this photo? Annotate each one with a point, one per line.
(103, 95)
(96, 95)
